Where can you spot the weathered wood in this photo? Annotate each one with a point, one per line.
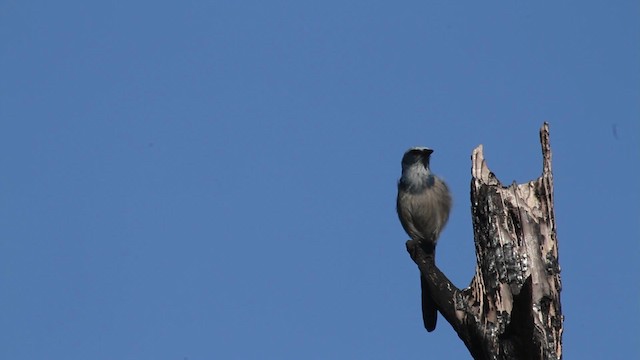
(511, 309)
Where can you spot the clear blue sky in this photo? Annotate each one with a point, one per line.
(217, 180)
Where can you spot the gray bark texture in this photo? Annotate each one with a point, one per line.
(511, 309)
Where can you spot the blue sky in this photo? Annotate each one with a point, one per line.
(217, 180)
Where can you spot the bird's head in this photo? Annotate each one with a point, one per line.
(416, 156)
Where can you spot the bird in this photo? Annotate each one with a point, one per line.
(423, 206)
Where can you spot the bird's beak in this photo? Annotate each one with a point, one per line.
(428, 152)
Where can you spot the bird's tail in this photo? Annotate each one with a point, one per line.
(429, 311)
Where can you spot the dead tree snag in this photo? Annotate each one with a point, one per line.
(511, 309)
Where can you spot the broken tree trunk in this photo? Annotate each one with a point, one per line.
(511, 309)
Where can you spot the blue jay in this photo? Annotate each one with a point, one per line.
(423, 207)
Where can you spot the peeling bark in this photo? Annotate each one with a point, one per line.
(511, 309)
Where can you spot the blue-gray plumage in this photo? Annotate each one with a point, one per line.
(423, 206)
